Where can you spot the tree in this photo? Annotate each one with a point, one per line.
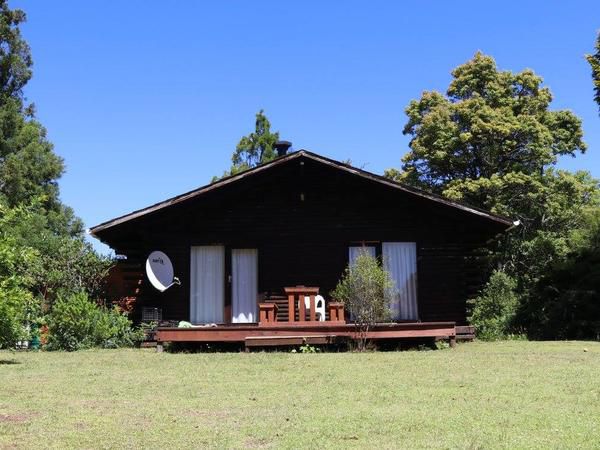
(594, 61)
(256, 148)
(490, 122)
(16, 280)
(365, 290)
(491, 141)
(29, 168)
(43, 253)
(565, 304)
(15, 56)
(549, 208)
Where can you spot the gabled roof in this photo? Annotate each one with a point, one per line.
(282, 160)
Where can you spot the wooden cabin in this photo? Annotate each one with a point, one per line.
(299, 221)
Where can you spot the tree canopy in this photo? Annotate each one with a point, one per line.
(29, 168)
(489, 122)
(594, 61)
(256, 148)
(15, 56)
(43, 253)
(492, 141)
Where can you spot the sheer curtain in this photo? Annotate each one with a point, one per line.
(353, 253)
(244, 286)
(400, 260)
(207, 284)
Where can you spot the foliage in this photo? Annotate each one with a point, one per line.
(566, 301)
(17, 304)
(16, 301)
(29, 168)
(492, 142)
(59, 264)
(15, 57)
(494, 310)
(76, 322)
(490, 122)
(307, 348)
(256, 148)
(365, 290)
(594, 61)
(42, 245)
(548, 207)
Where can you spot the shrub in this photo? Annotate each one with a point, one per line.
(566, 302)
(494, 310)
(16, 301)
(12, 315)
(364, 289)
(76, 322)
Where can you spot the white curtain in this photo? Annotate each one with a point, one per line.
(400, 260)
(244, 285)
(207, 284)
(353, 253)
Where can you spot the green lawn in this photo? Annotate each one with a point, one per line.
(479, 395)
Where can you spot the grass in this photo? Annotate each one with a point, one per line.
(482, 395)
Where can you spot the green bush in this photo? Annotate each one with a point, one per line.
(566, 302)
(16, 300)
(364, 289)
(494, 311)
(76, 322)
(12, 314)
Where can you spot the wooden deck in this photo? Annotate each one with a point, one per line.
(292, 333)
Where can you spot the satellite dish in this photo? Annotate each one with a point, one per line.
(160, 271)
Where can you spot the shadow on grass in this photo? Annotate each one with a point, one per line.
(384, 345)
(9, 361)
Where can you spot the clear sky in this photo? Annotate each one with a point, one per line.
(146, 99)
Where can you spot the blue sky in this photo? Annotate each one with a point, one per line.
(145, 99)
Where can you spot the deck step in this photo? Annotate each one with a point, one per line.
(465, 337)
(465, 332)
(465, 329)
(270, 341)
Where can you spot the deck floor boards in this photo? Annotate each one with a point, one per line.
(298, 331)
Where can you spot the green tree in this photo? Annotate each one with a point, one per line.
(16, 281)
(256, 148)
(63, 264)
(15, 57)
(365, 290)
(37, 231)
(490, 122)
(594, 61)
(549, 208)
(491, 141)
(565, 303)
(29, 168)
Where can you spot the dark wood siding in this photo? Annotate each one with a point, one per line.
(302, 216)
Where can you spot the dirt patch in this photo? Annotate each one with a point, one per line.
(252, 442)
(15, 418)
